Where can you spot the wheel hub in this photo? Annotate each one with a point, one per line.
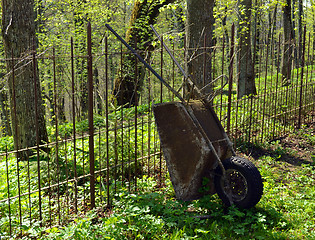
(236, 184)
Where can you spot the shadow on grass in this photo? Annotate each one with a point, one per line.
(278, 153)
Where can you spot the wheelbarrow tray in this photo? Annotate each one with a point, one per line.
(183, 131)
(194, 144)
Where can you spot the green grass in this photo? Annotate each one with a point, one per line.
(286, 211)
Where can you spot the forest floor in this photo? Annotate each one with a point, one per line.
(295, 149)
(286, 210)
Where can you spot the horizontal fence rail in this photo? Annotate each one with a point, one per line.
(97, 148)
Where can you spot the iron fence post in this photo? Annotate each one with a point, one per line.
(90, 116)
(228, 125)
(37, 131)
(74, 129)
(302, 73)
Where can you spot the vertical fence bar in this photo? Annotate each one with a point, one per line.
(122, 118)
(16, 137)
(29, 189)
(277, 99)
(83, 168)
(115, 150)
(8, 187)
(259, 86)
(90, 113)
(129, 155)
(56, 137)
(74, 131)
(312, 82)
(252, 97)
(307, 80)
(161, 100)
(286, 110)
(107, 120)
(57, 131)
(301, 83)
(246, 106)
(295, 89)
(237, 102)
(101, 165)
(49, 190)
(282, 90)
(149, 122)
(228, 124)
(291, 50)
(222, 72)
(264, 97)
(67, 176)
(37, 134)
(136, 114)
(161, 74)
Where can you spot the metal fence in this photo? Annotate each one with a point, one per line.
(95, 154)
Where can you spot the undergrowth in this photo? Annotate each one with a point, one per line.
(286, 211)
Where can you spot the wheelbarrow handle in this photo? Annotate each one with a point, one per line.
(146, 64)
(188, 77)
(169, 53)
(201, 97)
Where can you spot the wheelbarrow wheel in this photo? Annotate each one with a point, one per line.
(244, 180)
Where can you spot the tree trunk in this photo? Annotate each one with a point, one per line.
(199, 30)
(294, 32)
(80, 21)
(256, 37)
(18, 31)
(300, 23)
(145, 12)
(286, 65)
(246, 81)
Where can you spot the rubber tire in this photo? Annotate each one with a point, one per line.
(250, 176)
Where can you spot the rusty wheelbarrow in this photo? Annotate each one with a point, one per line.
(198, 153)
(200, 157)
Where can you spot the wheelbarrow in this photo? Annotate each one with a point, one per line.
(199, 155)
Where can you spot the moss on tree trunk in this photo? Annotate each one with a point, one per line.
(127, 88)
(18, 31)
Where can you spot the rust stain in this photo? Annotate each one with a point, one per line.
(188, 156)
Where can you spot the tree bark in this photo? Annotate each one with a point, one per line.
(286, 65)
(293, 17)
(128, 87)
(300, 23)
(80, 21)
(256, 37)
(246, 81)
(199, 32)
(18, 31)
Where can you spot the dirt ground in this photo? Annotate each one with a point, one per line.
(295, 148)
(301, 144)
